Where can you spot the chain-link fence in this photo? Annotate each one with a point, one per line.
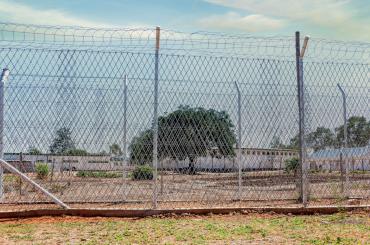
(162, 119)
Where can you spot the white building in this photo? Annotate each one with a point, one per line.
(251, 159)
(358, 158)
(57, 163)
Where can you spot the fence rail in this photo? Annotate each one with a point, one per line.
(155, 118)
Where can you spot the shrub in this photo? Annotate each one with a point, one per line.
(76, 152)
(291, 165)
(55, 188)
(98, 174)
(42, 170)
(12, 183)
(142, 172)
(10, 178)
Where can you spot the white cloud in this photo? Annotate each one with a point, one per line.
(337, 16)
(249, 23)
(321, 11)
(20, 13)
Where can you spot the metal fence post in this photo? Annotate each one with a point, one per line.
(239, 156)
(124, 127)
(3, 78)
(155, 120)
(302, 170)
(345, 136)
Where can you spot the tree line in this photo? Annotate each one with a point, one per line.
(358, 135)
(192, 132)
(63, 144)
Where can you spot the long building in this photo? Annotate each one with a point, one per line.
(357, 158)
(59, 163)
(251, 158)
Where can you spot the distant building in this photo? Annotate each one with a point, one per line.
(358, 158)
(27, 162)
(251, 159)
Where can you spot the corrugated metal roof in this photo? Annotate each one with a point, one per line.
(335, 153)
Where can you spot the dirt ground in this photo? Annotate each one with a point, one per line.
(235, 228)
(211, 188)
(189, 205)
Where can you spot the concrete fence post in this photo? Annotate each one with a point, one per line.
(239, 150)
(3, 78)
(303, 184)
(155, 119)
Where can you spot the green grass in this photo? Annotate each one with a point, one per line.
(342, 228)
(10, 178)
(98, 174)
(360, 172)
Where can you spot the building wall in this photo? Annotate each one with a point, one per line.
(333, 164)
(59, 163)
(250, 159)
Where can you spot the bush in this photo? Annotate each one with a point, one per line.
(76, 152)
(291, 165)
(142, 172)
(98, 174)
(42, 170)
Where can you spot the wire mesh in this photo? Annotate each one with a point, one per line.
(75, 125)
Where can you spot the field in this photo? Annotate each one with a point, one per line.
(237, 228)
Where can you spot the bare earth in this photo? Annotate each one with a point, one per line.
(261, 188)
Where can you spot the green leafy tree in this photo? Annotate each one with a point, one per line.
(34, 151)
(63, 142)
(187, 133)
(141, 148)
(276, 143)
(320, 139)
(358, 131)
(294, 143)
(115, 149)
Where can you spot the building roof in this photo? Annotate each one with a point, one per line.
(335, 153)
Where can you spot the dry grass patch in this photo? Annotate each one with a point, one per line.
(341, 228)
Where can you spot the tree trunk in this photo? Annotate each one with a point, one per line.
(191, 166)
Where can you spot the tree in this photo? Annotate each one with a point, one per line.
(34, 151)
(141, 148)
(187, 133)
(76, 152)
(358, 131)
(63, 142)
(115, 149)
(276, 143)
(294, 143)
(320, 139)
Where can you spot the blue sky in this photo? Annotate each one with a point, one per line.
(338, 19)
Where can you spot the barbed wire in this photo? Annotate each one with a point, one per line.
(27, 36)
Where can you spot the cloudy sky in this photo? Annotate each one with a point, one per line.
(339, 19)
